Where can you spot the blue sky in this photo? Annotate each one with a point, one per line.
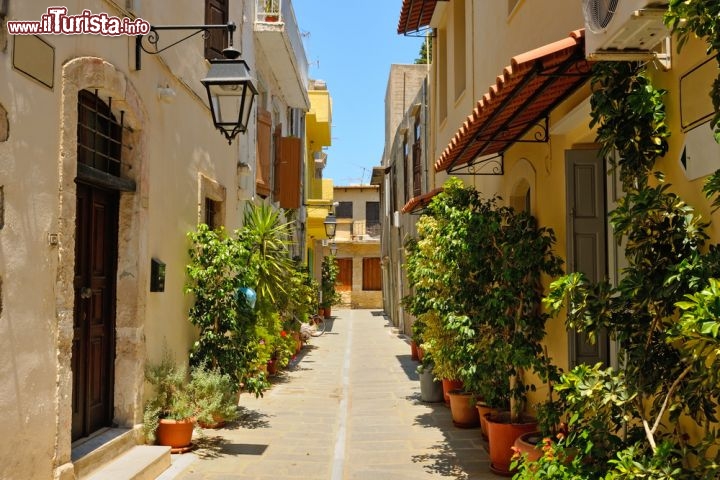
(351, 46)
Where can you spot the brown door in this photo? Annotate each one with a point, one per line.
(587, 250)
(94, 313)
(343, 282)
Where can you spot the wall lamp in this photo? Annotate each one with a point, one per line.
(229, 86)
(333, 249)
(330, 224)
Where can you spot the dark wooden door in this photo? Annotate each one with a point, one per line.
(94, 312)
(587, 249)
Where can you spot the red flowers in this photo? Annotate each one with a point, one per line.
(283, 334)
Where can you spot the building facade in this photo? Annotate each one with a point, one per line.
(357, 240)
(106, 164)
(509, 114)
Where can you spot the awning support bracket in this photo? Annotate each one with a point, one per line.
(494, 165)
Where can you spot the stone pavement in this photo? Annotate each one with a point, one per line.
(348, 408)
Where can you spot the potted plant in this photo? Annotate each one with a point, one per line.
(178, 402)
(272, 10)
(430, 387)
(328, 293)
(213, 391)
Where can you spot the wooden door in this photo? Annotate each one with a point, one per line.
(587, 249)
(343, 282)
(94, 312)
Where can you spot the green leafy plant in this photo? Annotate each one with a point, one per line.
(216, 270)
(630, 422)
(476, 269)
(206, 395)
(329, 273)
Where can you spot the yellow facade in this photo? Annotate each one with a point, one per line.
(492, 34)
(318, 191)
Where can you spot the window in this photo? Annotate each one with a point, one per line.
(212, 213)
(216, 13)
(372, 275)
(406, 170)
(344, 210)
(417, 159)
(264, 153)
(99, 134)
(372, 219)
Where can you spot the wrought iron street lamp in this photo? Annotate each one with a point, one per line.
(228, 83)
(330, 225)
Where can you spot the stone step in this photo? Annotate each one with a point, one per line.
(142, 462)
(91, 453)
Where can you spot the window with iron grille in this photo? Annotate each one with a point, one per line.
(344, 210)
(99, 134)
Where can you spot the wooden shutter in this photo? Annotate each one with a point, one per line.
(264, 151)
(372, 276)
(216, 13)
(287, 172)
(343, 282)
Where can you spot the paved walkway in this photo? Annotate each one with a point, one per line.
(348, 409)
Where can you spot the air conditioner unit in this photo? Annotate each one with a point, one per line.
(623, 29)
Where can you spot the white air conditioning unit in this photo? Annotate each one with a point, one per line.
(623, 29)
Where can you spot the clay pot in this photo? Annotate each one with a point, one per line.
(448, 385)
(501, 438)
(527, 443)
(463, 410)
(483, 410)
(176, 434)
(218, 422)
(414, 355)
(421, 353)
(272, 367)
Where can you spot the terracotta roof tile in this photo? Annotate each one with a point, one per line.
(421, 201)
(532, 85)
(415, 14)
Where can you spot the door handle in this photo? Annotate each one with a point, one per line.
(85, 292)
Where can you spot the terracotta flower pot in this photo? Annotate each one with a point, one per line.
(501, 437)
(414, 355)
(450, 385)
(272, 367)
(421, 353)
(218, 422)
(176, 434)
(483, 410)
(527, 444)
(463, 410)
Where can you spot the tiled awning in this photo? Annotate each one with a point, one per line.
(415, 204)
(527, 91)
(415, 15)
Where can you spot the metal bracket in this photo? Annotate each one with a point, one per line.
(153, 37)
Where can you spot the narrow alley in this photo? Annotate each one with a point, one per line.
(348, 408)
